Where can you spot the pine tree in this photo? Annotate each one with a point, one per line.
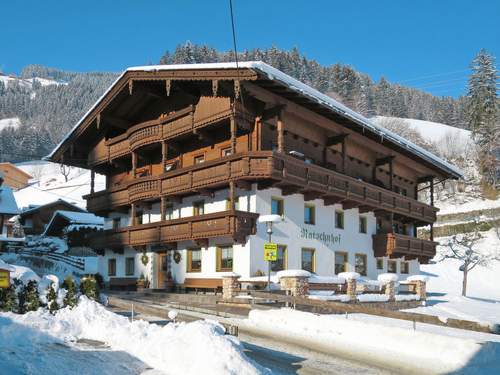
(482, 111)
(8, 299)
(52, 299)
(89, 288)
(71, 295)
(31, 297)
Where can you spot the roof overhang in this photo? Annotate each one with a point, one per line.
(271, 79)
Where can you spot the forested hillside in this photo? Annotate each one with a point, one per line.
(48, 111)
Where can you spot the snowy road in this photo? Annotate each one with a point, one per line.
(284, 358)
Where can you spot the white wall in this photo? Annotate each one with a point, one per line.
(139, 268)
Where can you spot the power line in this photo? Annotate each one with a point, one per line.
(433, 75)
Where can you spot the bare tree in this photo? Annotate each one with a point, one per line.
(464, 247)
(65, 171)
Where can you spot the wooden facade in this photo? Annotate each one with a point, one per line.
(13, 176)
(161, 135)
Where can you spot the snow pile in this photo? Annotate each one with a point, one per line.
(24, 274)
(406, 297)
(293, 273)
(315, 279)
(349, 275)
(193, 348)
(328, 296)
(399, 348)
(373, 297)
(386, 278)
(423, 278)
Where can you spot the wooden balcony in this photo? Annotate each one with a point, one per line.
(234, 224)
(185, 121)
(290, 174)
(395, 245)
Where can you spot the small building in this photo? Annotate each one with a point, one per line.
(13, 176)
(8, 209)
(35, 219)
(73, 227)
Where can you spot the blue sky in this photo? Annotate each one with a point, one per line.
(426, 44)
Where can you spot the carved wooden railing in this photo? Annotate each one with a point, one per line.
(398, 245)
(259, 166)
(167, 127)
(234, 224)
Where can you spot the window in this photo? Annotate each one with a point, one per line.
(392, 266)
(380, 263)
(362, 224)
(360, 264)
(224, 258)
(405, 267)
(341, 260)
(169, 212)
(194, 260)
(309, 213)
(226, 152)
(199, 159)
(116, 223)
(280, 264)
(277, 206)
(138, 218)
(129, 266)
(111, 267)
(308, 262)
(379, 225)
(339, 219)
(404, 192)
(198, 208)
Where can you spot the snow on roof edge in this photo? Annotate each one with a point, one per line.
(295, 85)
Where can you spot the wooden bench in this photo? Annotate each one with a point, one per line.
(202, 284)
(338, 288)
(123, 283)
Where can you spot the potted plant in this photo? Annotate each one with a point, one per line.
(141, 283)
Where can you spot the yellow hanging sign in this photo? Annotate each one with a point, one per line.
(270, 252)
(4, 278)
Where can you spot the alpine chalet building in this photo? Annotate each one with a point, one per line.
(193, 154)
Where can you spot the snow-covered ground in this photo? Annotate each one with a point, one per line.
(12, 122)
(28, 82)
(49, 184)
(430, 350)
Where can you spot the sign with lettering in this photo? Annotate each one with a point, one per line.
(327, 238)
(270, 252)
(4, 278)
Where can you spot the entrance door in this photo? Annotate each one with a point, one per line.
(163, 269)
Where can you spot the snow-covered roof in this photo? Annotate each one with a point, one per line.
(293, 84)
(8, 203)
(76, 220)
(35, 208)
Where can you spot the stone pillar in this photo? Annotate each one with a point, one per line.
(390, 290)
(230, 286)
(420, 289)
(351, 289)
(297, 286)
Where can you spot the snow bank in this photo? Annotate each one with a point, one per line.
(293, 273)
(315, 279)
(332, 297)
(373, 298)
(418, 278)
(349, 275)
(24, 274)
(406, 297)
(386, 278)
(193, 348)
(422, 352)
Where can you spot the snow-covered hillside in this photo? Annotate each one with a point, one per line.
(12, 122)
(27, 82)
(48, 184)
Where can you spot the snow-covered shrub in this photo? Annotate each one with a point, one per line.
(100, 280)
(89, 288)
(8, 299)
(71, 297)
(28, 297)
(52, 300)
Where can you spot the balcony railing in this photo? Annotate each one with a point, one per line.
(234, 224)
(167, 127)
(395, 245)
(262, 166)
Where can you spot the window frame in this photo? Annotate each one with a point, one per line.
(313, 251)
(196, 207)
(345, 264)
(198, 157)
(339, 224)
(116, 223)
(363, 225)
(392, 261)
(189, 261)
(312, 215)
(219, 267)
(285, 258)
(224, 150)
(111, 261)
(281, 206)
(127, 260)
(381, 260)
(405, 267)
(365, 262)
